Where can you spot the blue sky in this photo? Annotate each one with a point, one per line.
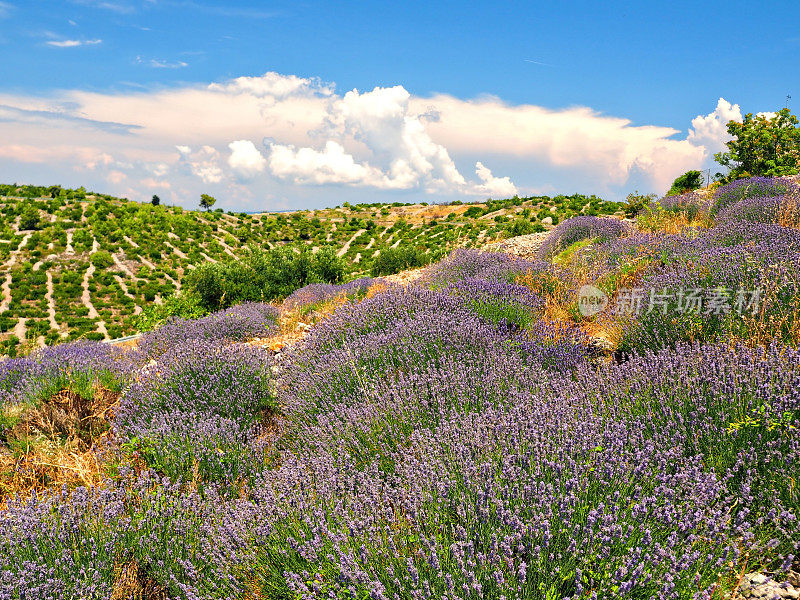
(587, 96)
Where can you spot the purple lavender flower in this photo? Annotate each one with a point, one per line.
(580, 228)
(753, 187)
(238, 323)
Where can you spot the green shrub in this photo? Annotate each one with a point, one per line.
(636, 203)
(262, 275)
(762, 145)
(689, 181)
(29, 219)
(394, 260)
(519, 226)
(185, 306)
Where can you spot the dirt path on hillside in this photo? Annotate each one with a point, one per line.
(86, 296)
(69, 249)
(20, 329)
(225, 247)
(137, 310)
(6, 293)
(122, 266)
(12, 260)
(130, 241)
(343, 250)
(146, 262)
(51, 304)
(14, 254)
(177, 251)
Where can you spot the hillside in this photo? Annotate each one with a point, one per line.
(457, 434)
(77, 265)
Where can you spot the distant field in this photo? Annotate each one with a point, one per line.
(78, 265)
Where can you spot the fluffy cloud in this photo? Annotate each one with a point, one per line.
(398, 153)
(494, 187)
(245, 160)
(383, 140)
(273, 85)
(608, 149)
(332, 164)
(710, 131)
(203, 162)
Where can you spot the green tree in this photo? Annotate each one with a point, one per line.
(636, 203)
(691, 180)
(762, 146)
(262, 275)
(155, 201)
(102, 259)
(206, 201)
(394, 260)
(29, 219)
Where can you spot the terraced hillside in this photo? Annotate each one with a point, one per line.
(76, 265)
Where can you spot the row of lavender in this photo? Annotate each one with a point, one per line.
(444, 440)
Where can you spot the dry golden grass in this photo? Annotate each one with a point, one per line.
(132, 583)
(762, 328)
(375, 289)
(789, 212)
(54, 443)
(555, 293)
(673, 222)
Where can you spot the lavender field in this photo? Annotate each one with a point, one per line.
(477, 433)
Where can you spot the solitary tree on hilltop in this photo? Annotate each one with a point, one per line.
(156, 200)
(206, 201)
(762, 145)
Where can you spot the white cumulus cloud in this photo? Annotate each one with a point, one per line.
(397, 153)
(494, 187)
(710, 131)
(351, 145)
(273, 85)
(332, 164)
(203, 162)
(245, 160)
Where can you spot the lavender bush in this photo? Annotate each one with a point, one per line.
(759, 209)
(316, 293)
(754, 187)
(447, 440)
(196, 414)
(77, 366)
(613, 482)
(722, 283)
(85, 544)
(509, 304)
(580, 228)
(464, 263)
(691, 203)
(238, 323)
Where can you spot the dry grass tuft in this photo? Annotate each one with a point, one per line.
(669, 222)
(558, 297)
(53, 442)
(132, 583)
(789, 211)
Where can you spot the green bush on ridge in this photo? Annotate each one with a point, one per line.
(262, 275)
